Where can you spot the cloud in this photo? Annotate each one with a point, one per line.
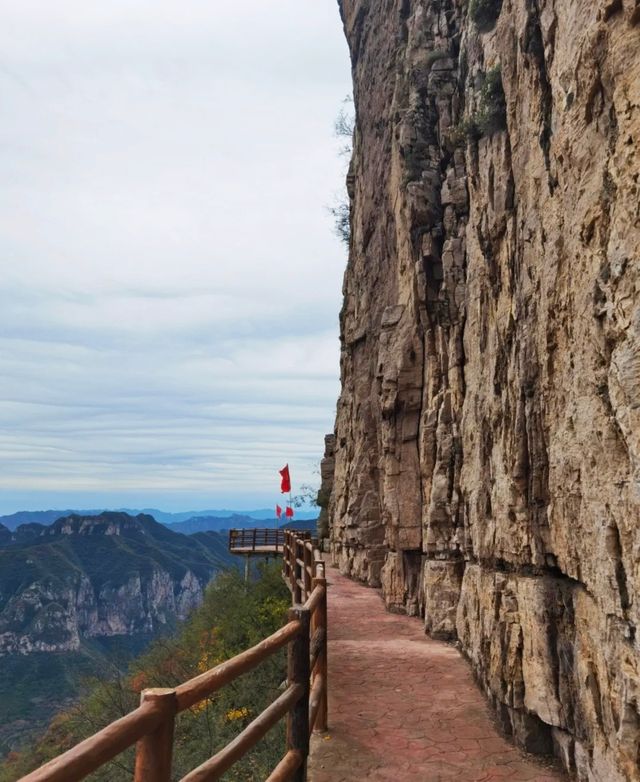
(170, 287)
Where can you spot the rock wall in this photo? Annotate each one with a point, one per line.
(47, 616)
(99, 576)
(327, 471)
(487, 455)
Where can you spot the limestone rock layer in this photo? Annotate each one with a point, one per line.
(487, 452)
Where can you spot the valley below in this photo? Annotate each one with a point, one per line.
(82, 596)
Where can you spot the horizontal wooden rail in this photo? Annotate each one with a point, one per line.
(201, 687)
(100, 748)
(214, 768)
(289, 764)
(315, 700)
(150, 727)
(317, 646)
(315, 598)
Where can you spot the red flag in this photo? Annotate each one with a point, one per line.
(278, 511)
(285, 485)
(289, 513)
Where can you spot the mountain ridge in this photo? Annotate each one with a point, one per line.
(95, 576)
(85, 593)
(47, 517)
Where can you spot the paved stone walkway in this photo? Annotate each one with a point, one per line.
(404, 707)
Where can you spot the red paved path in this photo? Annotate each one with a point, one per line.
(404, 707)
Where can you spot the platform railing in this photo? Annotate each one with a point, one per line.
(150, 727)
(255, 540)
(300, 556)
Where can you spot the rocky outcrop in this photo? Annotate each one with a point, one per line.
(47, 617)
(327, 470)
(487, 458)
(96, 577)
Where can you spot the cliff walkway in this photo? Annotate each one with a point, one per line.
(402, 706)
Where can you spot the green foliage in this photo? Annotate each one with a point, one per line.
(308, 495)
(42, 566)
(344, 129)
(34, 687)
(485, 13)
(458, 135)
(490, 116)
(233, 617)
(492, 108)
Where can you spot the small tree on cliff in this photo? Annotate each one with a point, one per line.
(344, 129)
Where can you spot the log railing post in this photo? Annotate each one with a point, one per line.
(293, 566)
(298, 673)
(284, 557)
(308, 570)
(303, 573)
(154, 752)
(305, 588)
(321, 667)
(298, 572)
(288, 543)
(287, 555)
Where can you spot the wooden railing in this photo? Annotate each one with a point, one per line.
(303, 570)
(300, 556)
(260, 540)
(304, 702)
(251, 540)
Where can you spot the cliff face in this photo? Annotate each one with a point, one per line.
(104, 576)
(327, 471)
(51, 617)
(487, 456)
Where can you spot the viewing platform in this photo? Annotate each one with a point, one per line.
(259, 542)
(264, 542)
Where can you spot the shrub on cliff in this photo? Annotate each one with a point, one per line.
(232, 618)
(491, 116)
(341, 214)
(491, 113)
(344, 130)
(484, 13)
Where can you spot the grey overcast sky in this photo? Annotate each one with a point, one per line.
(170, 282)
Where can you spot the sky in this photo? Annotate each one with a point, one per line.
(169, 279)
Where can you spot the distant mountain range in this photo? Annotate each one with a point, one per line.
(262, 514)
(46, 517)
(83, 592)
(237, 521)
(93, 576)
